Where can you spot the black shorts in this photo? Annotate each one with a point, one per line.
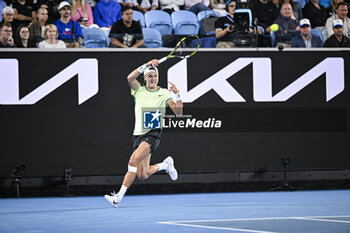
(152, 138)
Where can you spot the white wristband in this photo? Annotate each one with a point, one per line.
(178, 97)
(142, 68)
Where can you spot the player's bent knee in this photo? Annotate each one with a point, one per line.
(143, 176)
(132, 169)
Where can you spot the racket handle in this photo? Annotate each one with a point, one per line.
(163, 59)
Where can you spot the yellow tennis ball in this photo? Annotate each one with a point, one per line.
(274, 27)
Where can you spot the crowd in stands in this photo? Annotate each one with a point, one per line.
(272, 23)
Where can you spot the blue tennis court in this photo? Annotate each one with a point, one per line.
(282, 212)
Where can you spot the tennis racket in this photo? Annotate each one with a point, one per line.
(179, 52)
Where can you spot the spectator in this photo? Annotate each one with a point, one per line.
(133, 4)
(288, 27)
(148, 5)
(24, 12)
(126, 33)
(332, 8)
(197, 5)
(305, 39)
(6, 40)
(337, 39)
(342, 11)
(51, 42)
(36, 30)
(316, 13)
(218, 6)
(297, 13)
(68, 30)
(22, 38)
(266, 13)
(2, 6)
(7, 17)
(171, 5)
(106, 13)
(52, 8)
(226, 27)
(81, 10)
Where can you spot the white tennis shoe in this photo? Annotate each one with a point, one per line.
(113, 199)
(170, 169)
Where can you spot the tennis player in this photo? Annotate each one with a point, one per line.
(150, 104)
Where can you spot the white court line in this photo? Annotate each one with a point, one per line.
(315, 218)
(254, 219)
(323, 220)
(220, 228)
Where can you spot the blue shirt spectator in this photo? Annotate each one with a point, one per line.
(69, 31)
(107, 12)
(305, 39)
(2, 6)
(65, 30)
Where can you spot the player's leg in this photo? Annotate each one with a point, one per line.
(142, 151)
(140, 154)
(144, 170)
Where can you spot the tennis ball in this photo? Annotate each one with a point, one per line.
(274, 27)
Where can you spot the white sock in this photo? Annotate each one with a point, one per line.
(122, 191)
(162, 166)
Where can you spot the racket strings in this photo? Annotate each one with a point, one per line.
(182, 49)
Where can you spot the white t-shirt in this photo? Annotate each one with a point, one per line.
(59, 45)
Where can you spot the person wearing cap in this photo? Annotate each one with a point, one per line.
(337, 39)
(69, 31)
(305, 39)
(342, 11)
(150, 105)
(288, 27)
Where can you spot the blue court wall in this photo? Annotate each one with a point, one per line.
(244, 110)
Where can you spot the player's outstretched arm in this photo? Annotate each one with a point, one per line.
(132, 77)
(177, 105)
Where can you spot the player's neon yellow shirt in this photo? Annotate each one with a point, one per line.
(149, 101)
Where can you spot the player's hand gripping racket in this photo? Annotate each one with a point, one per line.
(178, 51)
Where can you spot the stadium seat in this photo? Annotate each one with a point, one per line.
(205, 14)
(94, 38)
(185, 23)
(205, 42)
(138, 16)
(108, 38)
(207, 20)
(159, 20)
(316, 33)
(152, 38)
(273, 38)
(249, 11)
(301, 2)
(2, 6)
